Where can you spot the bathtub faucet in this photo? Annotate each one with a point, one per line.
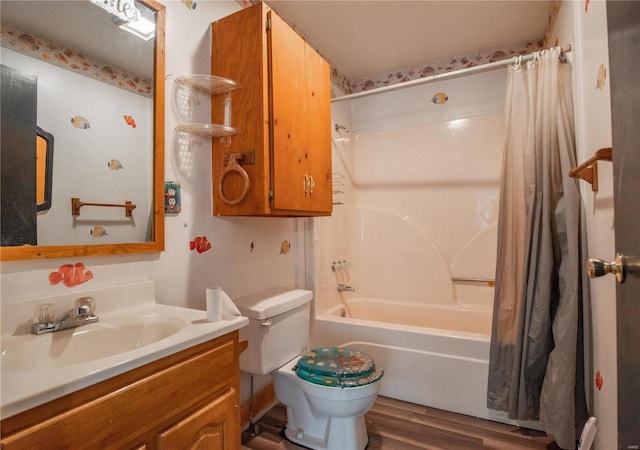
(345, 287)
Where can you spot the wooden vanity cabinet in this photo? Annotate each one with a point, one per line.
(283, 111)
(188, 400)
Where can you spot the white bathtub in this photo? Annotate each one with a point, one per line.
(433, 355)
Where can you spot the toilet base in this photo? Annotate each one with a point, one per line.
(311, 443)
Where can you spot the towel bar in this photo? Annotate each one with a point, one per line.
(76, 204)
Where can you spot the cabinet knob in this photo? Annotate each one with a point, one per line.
(309, 184)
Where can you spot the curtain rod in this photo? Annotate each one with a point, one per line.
(444, 76)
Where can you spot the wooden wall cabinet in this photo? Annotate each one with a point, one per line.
(188, 400)
(283, 112)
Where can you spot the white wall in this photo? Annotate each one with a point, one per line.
(585, 27)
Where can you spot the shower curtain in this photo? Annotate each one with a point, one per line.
(536, 366)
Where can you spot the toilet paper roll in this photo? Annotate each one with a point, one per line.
(219, 305)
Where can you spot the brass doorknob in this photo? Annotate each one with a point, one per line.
(598, 267)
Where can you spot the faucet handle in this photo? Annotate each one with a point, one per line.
(44, 313)
(86, 304)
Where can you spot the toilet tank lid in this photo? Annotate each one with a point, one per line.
(269, 303)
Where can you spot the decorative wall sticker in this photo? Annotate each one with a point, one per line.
(107, 73)
(599, 380)
(602, 77)
(498, 55)
(439, 98)
(98, 231)
(80, 122)
(114, 164)
(130, 121)
(285, 247)
(586, 5)
(340, 80)
(29, 42)
(251, 247)
(200, 244)
(172, 203)
(190, 4)
(70, 275)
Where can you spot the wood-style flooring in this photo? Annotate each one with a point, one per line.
(397, 425)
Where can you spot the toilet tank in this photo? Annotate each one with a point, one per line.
(278, 329)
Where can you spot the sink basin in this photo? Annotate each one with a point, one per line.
(86, 343)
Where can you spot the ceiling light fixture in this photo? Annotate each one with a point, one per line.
(143, 28)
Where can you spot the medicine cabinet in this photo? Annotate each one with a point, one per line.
(280, 165)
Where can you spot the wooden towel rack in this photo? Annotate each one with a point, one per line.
(588, 170)
(76, 204)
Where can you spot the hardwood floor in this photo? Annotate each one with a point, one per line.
(397, 425)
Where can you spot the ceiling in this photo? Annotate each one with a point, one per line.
(365, 38)
(360, 38)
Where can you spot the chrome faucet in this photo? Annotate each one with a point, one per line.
(81, 314)
(345, 287)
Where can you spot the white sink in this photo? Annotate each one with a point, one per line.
(86, 343)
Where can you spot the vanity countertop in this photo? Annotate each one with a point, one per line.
(29, 380)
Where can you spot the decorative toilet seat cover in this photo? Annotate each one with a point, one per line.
(338, 367)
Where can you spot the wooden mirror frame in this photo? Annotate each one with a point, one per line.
(44, 169)
(157, 244)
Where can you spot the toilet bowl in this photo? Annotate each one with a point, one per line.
(327, 391)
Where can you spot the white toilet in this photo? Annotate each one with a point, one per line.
(327, 390)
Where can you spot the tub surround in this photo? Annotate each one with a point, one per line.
(25, 389)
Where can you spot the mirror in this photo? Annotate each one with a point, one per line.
(100, 97)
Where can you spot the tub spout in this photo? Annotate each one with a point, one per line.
(345, 287)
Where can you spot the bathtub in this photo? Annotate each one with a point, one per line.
(433, 355)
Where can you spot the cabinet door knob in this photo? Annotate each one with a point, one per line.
(312, 184)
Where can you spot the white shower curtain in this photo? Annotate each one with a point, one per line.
(536, 367)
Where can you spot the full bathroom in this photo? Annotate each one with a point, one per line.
(396, 271)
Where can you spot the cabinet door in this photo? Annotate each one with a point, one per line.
(214, 427)
(300, 122)
(239, 52)
(290, 150)
(318, 125)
